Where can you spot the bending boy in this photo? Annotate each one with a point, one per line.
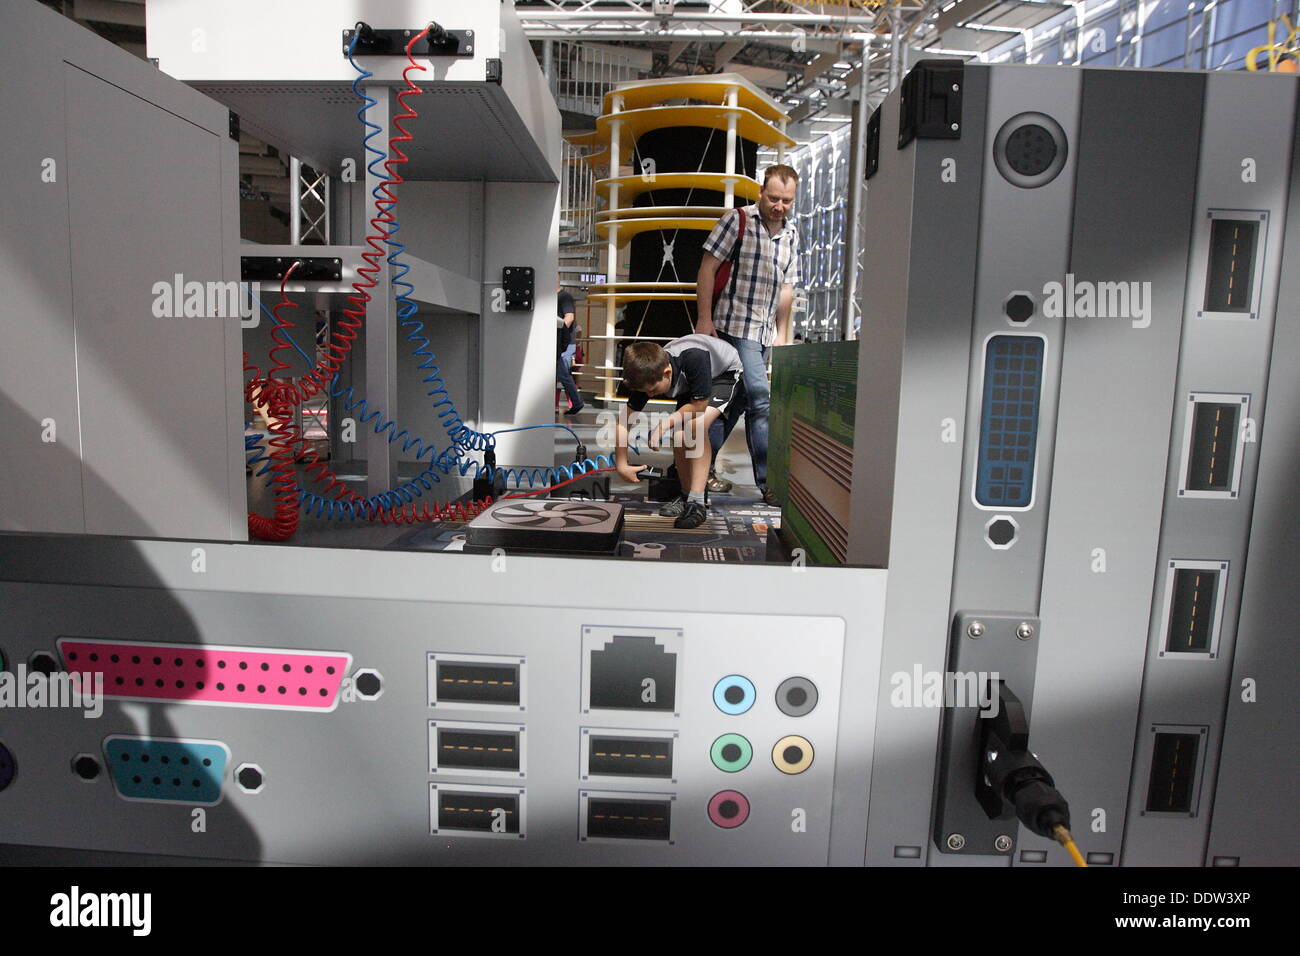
(705, 375)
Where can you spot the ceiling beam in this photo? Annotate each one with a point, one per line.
(724, 54)
(818, 66)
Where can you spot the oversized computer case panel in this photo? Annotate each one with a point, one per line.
(119, 402)
(1071, 314)
(437, 709)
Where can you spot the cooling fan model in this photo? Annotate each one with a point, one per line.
(547, 526)
(550, 515)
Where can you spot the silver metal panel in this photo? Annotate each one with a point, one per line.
(1222, 356)
(1024, 244)
(463, 130)
(1133, 209)
(1258, 775)
(351, 785)
(38, 365)
(468, 128)
(914, 358)
(153, 390)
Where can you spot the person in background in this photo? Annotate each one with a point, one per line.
(704, 375)
(752, 313)
(565, 347)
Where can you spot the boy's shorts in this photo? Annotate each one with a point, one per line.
(725, 391)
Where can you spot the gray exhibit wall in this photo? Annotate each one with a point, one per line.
(120, 412)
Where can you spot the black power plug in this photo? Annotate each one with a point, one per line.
(1010, 775)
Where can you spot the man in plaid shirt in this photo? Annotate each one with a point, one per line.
(753, 311)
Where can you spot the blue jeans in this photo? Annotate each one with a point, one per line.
(565, 377)
(753, 357)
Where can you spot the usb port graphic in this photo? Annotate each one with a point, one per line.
(1213, 443)
(1193, 607)
(628, 817)
(457, 680)
(1175, 770)
(620, 755)
(476, 811)
(475, 748)
(1235, 248)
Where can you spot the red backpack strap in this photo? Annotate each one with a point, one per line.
(735, 253)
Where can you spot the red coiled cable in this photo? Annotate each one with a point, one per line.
(341, 339)
(281, 396)
(274, 394)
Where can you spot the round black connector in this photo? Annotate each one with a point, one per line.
(796, 696)
(369, 684)
(42, 662)
(1001, 532)
(1030, 150)
(1019, 308)
(250, 778)
(85, 766)
(8, 767)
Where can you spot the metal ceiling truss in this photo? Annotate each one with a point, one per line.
(818, 44)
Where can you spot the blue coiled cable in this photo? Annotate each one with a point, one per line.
(463, 438)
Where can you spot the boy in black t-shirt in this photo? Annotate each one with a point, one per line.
(704, 374)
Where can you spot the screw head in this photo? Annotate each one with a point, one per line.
(1003, 843)
(955, 87)
(1025, 631)
(955, 841)
(975, 629)
(954, 127)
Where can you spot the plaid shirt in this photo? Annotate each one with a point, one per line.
(765, 264)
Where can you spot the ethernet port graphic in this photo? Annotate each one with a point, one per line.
(630, 669)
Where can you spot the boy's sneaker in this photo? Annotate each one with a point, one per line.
(719, 486)
(675, 508)
(693, 517)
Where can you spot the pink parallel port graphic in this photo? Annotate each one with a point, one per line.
(211, 674)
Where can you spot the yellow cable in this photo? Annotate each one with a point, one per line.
(1064, 838)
